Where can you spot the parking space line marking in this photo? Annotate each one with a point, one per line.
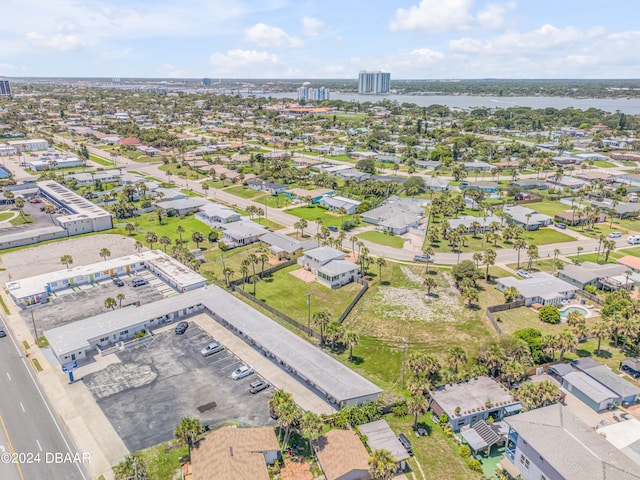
(9, 376)
(22, 407)
(6, 434)
(39, 446)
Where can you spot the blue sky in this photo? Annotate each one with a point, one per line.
(321, 39)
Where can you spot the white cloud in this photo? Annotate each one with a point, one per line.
(492, 15)
(117, 54)
(168, 70)
(246, 63)
(57, 43)
(433, 16)
(267, 36)
(6, 69)
(312, 26)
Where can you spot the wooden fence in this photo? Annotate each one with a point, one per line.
(501, 308)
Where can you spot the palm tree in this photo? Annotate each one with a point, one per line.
(457, 357)
(131, 468)
(139, 246)
(165, 242)
(567, 342)
(129, 228)
(351, 339)
(600, 330)
(19, 203)
(66, 260)
(197, 237)
(416, 406)
(254, 279)
(288, 414)
(489, 258)
(263, 259)
(382, 465)
(430, 283)
(188, 431)
(110, 302)
(380, 261)
(321, 319)
(532, 253)
(50, 209)
(519, 244)
(104, 253)
(151, 238)
(335, 332)
(227, 272)
(312, 424)
(253, 260)
(180, 230)
(477, 257)
(120, 297)
(510, 294)
(278, 397)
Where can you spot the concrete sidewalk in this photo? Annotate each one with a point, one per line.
(303, 396)
(74, 406)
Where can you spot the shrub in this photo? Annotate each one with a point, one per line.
(400, 410)
(549, 314)
(475, 465)
(591, 289)
(464, 451)
(222, 246)
(348, 225)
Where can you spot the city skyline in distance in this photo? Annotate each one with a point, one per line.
(411, 39)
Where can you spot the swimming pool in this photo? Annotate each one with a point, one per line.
(4, 173)
(565, 313)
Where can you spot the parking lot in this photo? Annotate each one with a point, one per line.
(145, 396)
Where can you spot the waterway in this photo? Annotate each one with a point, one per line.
(630, 106)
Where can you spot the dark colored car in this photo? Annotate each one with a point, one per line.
(2, 332)
(405, 443)
(258, 386)
(421, 432)
(182, 327)
(333, 229)
(118, 282)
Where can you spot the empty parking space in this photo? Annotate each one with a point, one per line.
(145, 396)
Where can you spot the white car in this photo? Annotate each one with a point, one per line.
(615, 235)
(633, 239)
(523, 274)
(243, 371)
(211, 349)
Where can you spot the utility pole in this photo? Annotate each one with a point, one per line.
(308, 295)
(404, 351)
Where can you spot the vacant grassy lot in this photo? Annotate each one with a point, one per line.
(540, 265)
(595, 258)
(313, 212)
(382, 238)
(546, 236)
(288, 294)
(163, 460)
(182, 171)
(244, 192)
(548, 207)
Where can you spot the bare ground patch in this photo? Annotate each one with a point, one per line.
(304, 275)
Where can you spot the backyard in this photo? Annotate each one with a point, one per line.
(313, 212)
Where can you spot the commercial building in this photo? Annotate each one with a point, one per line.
(6, 150)
(83, 216)
(541, 288)
(28, 145)
(374, 83)
(336, 383)
(468, 402)
(5, 88)
(33, 290)
(551, 443)
(31, 236)
(54, 163)
(306, 93)
(232, 453)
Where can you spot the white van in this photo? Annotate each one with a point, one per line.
(633, 239)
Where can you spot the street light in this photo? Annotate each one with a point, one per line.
(308, 295)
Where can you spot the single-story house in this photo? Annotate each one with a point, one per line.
(232, 453)
(388, 159)
(526, 217)
(467, 221)
(486, 187)
(342, 456)
(589, 391)
(436, 184)
(621, 210)
(396, 214)
(335, 203)
(606, 277)
(329, 265)
(631, 262)
(273, 188)
(285, 247)
(571, 183)
(243, 232)
(216, 214)
(170, 193)
(380, 437)
(477, 165)
(529, 184)
(577, 218)
(471, 401)
(429, 164)
(626, 391)
(316, 195)
(182, 206)
(541, 288)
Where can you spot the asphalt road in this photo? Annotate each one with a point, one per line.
(32, 442)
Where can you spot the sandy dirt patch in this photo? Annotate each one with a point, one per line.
(304, 275)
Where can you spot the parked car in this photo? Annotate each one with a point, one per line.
(615, 235)
(2, 332)
(633, 239)
(258, 386)
(523, 273)
(422, 258)
(243, 371)
(138, 282)
(212, 348)
(118, 282)
(36, 200)
(182, 327)
(561, 225)
(405, 443)
(333, 229)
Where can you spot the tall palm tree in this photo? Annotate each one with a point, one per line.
(120, 298)
(430, 283)
(165, 242)
(104, 253)
(567, 342)
(489, 258)
(151, 238)
(416, 406)
(278, 397)
(532, 253)
(351, 339)
(380, 261)
(321, 319)
(601, 331)
(110, 302)
(188, 431)
(457, 357)
(382, 465)
(197, 238)
(66, 260)
(519, 244)
(180, 230)
(288, 414)
(312, 424)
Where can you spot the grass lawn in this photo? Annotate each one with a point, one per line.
(546, 236)
(21, 220)
(5, 215)
(593, 257)
(217, 260)
(244, 192)
(382, 238)
(548, 207)
(273, 201)
(540, 265)
(436, 454)
(294, 302)
(603, 164)
(181, 171)
(163, 460)
(268, 223)
(313, 212)
(100, 160)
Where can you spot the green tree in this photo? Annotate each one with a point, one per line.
(549, 314)
(457, 357)
(601, 330)
(110, 302)
(416, 406)
(511, 294)
(188, 431)
(129, 228)
(151, 238)
(465, 269)
(382, 465)
(414, 186)
(132, 467)
(120, 298)
(380, 261)
(197, 238)
(165, 242)
(321, 319)
(351, 339)
(311, 423)
(66, 260)
(104, 253)
(180, 230)
(430, 283)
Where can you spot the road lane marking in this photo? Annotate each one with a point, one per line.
(39, 446)
(6, 434)
(9, 376)
(22, 407)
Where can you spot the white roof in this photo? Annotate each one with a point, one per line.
(71, 200)
(539, 285)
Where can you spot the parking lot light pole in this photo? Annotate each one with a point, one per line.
(308, 295)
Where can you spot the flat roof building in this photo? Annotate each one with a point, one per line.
(381, 437)
(540, 288)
